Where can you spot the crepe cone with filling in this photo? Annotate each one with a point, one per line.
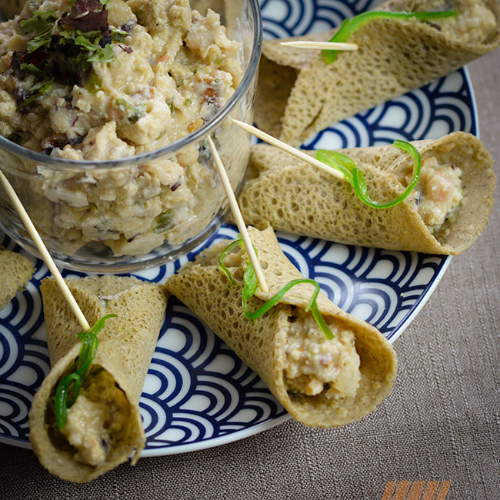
(445, 214)
(322, 383)
(299, 94)
(104, 426)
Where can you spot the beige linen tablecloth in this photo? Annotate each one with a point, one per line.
(440, 422)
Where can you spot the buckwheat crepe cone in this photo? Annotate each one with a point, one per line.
(261, 343)
(294, 197)
(126, 346)
(299, 94)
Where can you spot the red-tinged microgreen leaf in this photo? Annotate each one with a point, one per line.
(92, 21)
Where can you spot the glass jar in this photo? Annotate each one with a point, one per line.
(122, 215)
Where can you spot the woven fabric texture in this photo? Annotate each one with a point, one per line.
(441, 421)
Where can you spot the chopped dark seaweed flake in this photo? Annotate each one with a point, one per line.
(106, 38)
(176, 186)
(128, 26)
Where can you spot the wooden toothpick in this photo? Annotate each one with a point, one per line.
(44, 252)
(321, 45)
(235, 209)
(293, 151)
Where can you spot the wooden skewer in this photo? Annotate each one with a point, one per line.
(235, 209)
(44, 252)
(293, 151)
(321, 45)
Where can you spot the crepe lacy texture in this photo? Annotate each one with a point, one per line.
(262, 343)
(108, 82)
(126, 346)
(297, 198)
(302, 95)
(15, 272)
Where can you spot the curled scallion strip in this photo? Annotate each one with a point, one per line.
(349, 26)
(250, 285)
(69, 386)
(356, 178)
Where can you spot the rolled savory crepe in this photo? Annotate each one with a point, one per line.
(15, 272)
(445, 214)
(103, 426)
(322, 383)
(299, 94)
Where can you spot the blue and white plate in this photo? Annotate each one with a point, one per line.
(198, 393)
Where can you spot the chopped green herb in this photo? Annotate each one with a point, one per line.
(164, 222)
(118, 35)
(356, 178)
(39, 22)
(349, 26)
(69, 386)
(188, 102)
(250, 285)
(104, 55)
(219, 62)
(85, 43)
(32, 69)
(170, 104)
(132, 112)
(93, 83)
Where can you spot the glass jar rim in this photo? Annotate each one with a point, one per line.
(170, 149)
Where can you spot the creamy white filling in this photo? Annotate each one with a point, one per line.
(98, 415)
(440, 192)
(315, 364)
(473, 24)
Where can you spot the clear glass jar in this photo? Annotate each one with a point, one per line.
(131, 213)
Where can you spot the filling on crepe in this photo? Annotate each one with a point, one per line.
(438, 192)
(99, 418)
(301, 92)
(315, 364)
(474, 23)
(85, 417)
(325, 366)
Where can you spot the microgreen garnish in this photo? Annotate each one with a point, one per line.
(349, 26)
(69, 386)
(62, 49)
(104, 55)
(41, 25)
(250, 285)
(356, 178)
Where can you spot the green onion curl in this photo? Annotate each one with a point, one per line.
(356, 178)
(250, 285)
(349, 26)
(69, 386)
